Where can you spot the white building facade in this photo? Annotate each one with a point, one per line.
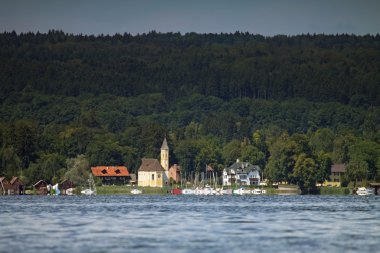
(241, 173)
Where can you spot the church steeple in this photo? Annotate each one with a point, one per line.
(165, 155)
(165, 144)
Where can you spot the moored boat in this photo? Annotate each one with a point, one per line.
(92, 189)
(256, 191)
(363, 191)
(188, 192)
(136, 191)
(176, 191)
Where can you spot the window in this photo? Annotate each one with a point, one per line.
(152, 176)
(159, 176)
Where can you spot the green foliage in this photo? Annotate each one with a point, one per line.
(305, 173)
(326, 68)
(292, 105)
(334, 191)
(356, 170)
(78, 170)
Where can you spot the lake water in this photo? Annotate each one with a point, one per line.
(189, 224)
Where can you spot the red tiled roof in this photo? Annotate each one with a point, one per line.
(110, 171)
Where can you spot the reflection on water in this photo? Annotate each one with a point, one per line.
(189, 223)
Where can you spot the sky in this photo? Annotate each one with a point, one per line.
(266, 17)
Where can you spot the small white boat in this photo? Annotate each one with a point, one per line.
(207, 190)
(257, 191)
(227, 192)
(136, 191)
(362, 191)
(92, 189)
(88, 192)
(188, 191)
(218, 191)
(239, 191)
(70, 191)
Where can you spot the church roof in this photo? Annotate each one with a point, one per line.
(149, 164)
(165, 144)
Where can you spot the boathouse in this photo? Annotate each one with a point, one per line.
(112, 175)
(5, 186)
(65, 185)
(18, 187)
(41, 187)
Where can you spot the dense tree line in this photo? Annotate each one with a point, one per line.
(322, 68)
(41, 134)
(293, 105)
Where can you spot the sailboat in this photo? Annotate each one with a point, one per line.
(92, 189)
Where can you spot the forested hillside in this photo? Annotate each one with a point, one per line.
(293, 105)
(340, 68)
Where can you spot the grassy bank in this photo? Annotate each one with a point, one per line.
(334, 190)
(123, 190)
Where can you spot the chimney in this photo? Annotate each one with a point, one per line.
(237, 160)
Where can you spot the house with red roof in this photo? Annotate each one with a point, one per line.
(112, 175)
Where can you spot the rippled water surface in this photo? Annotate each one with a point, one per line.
(189, 224)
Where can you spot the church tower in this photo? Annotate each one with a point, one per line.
(165, 157)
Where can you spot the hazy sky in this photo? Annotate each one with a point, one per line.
(267, 17)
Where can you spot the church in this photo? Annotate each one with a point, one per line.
(154, 173)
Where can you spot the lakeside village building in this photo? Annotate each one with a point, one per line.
(241, 173)
(157, 174)
(151, 172)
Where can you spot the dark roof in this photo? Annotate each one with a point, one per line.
(165, 144)
(41, 182)
(110, 171)
(338, 167)
(66, 184)
(15, 179)
(243, 167)
(149, 164)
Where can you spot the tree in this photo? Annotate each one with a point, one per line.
(323, 162)
(252, 154)
(78, 170)
(49, 167)
(356, 170)
(10, 162)
(322, 140)
(231, 151)
(305, 172)
(25, 142)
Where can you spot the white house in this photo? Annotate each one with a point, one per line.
(241, 173)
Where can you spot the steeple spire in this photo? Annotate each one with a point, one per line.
(165, 144)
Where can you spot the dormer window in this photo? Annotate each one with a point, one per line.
(104, 171)
(117, 171)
